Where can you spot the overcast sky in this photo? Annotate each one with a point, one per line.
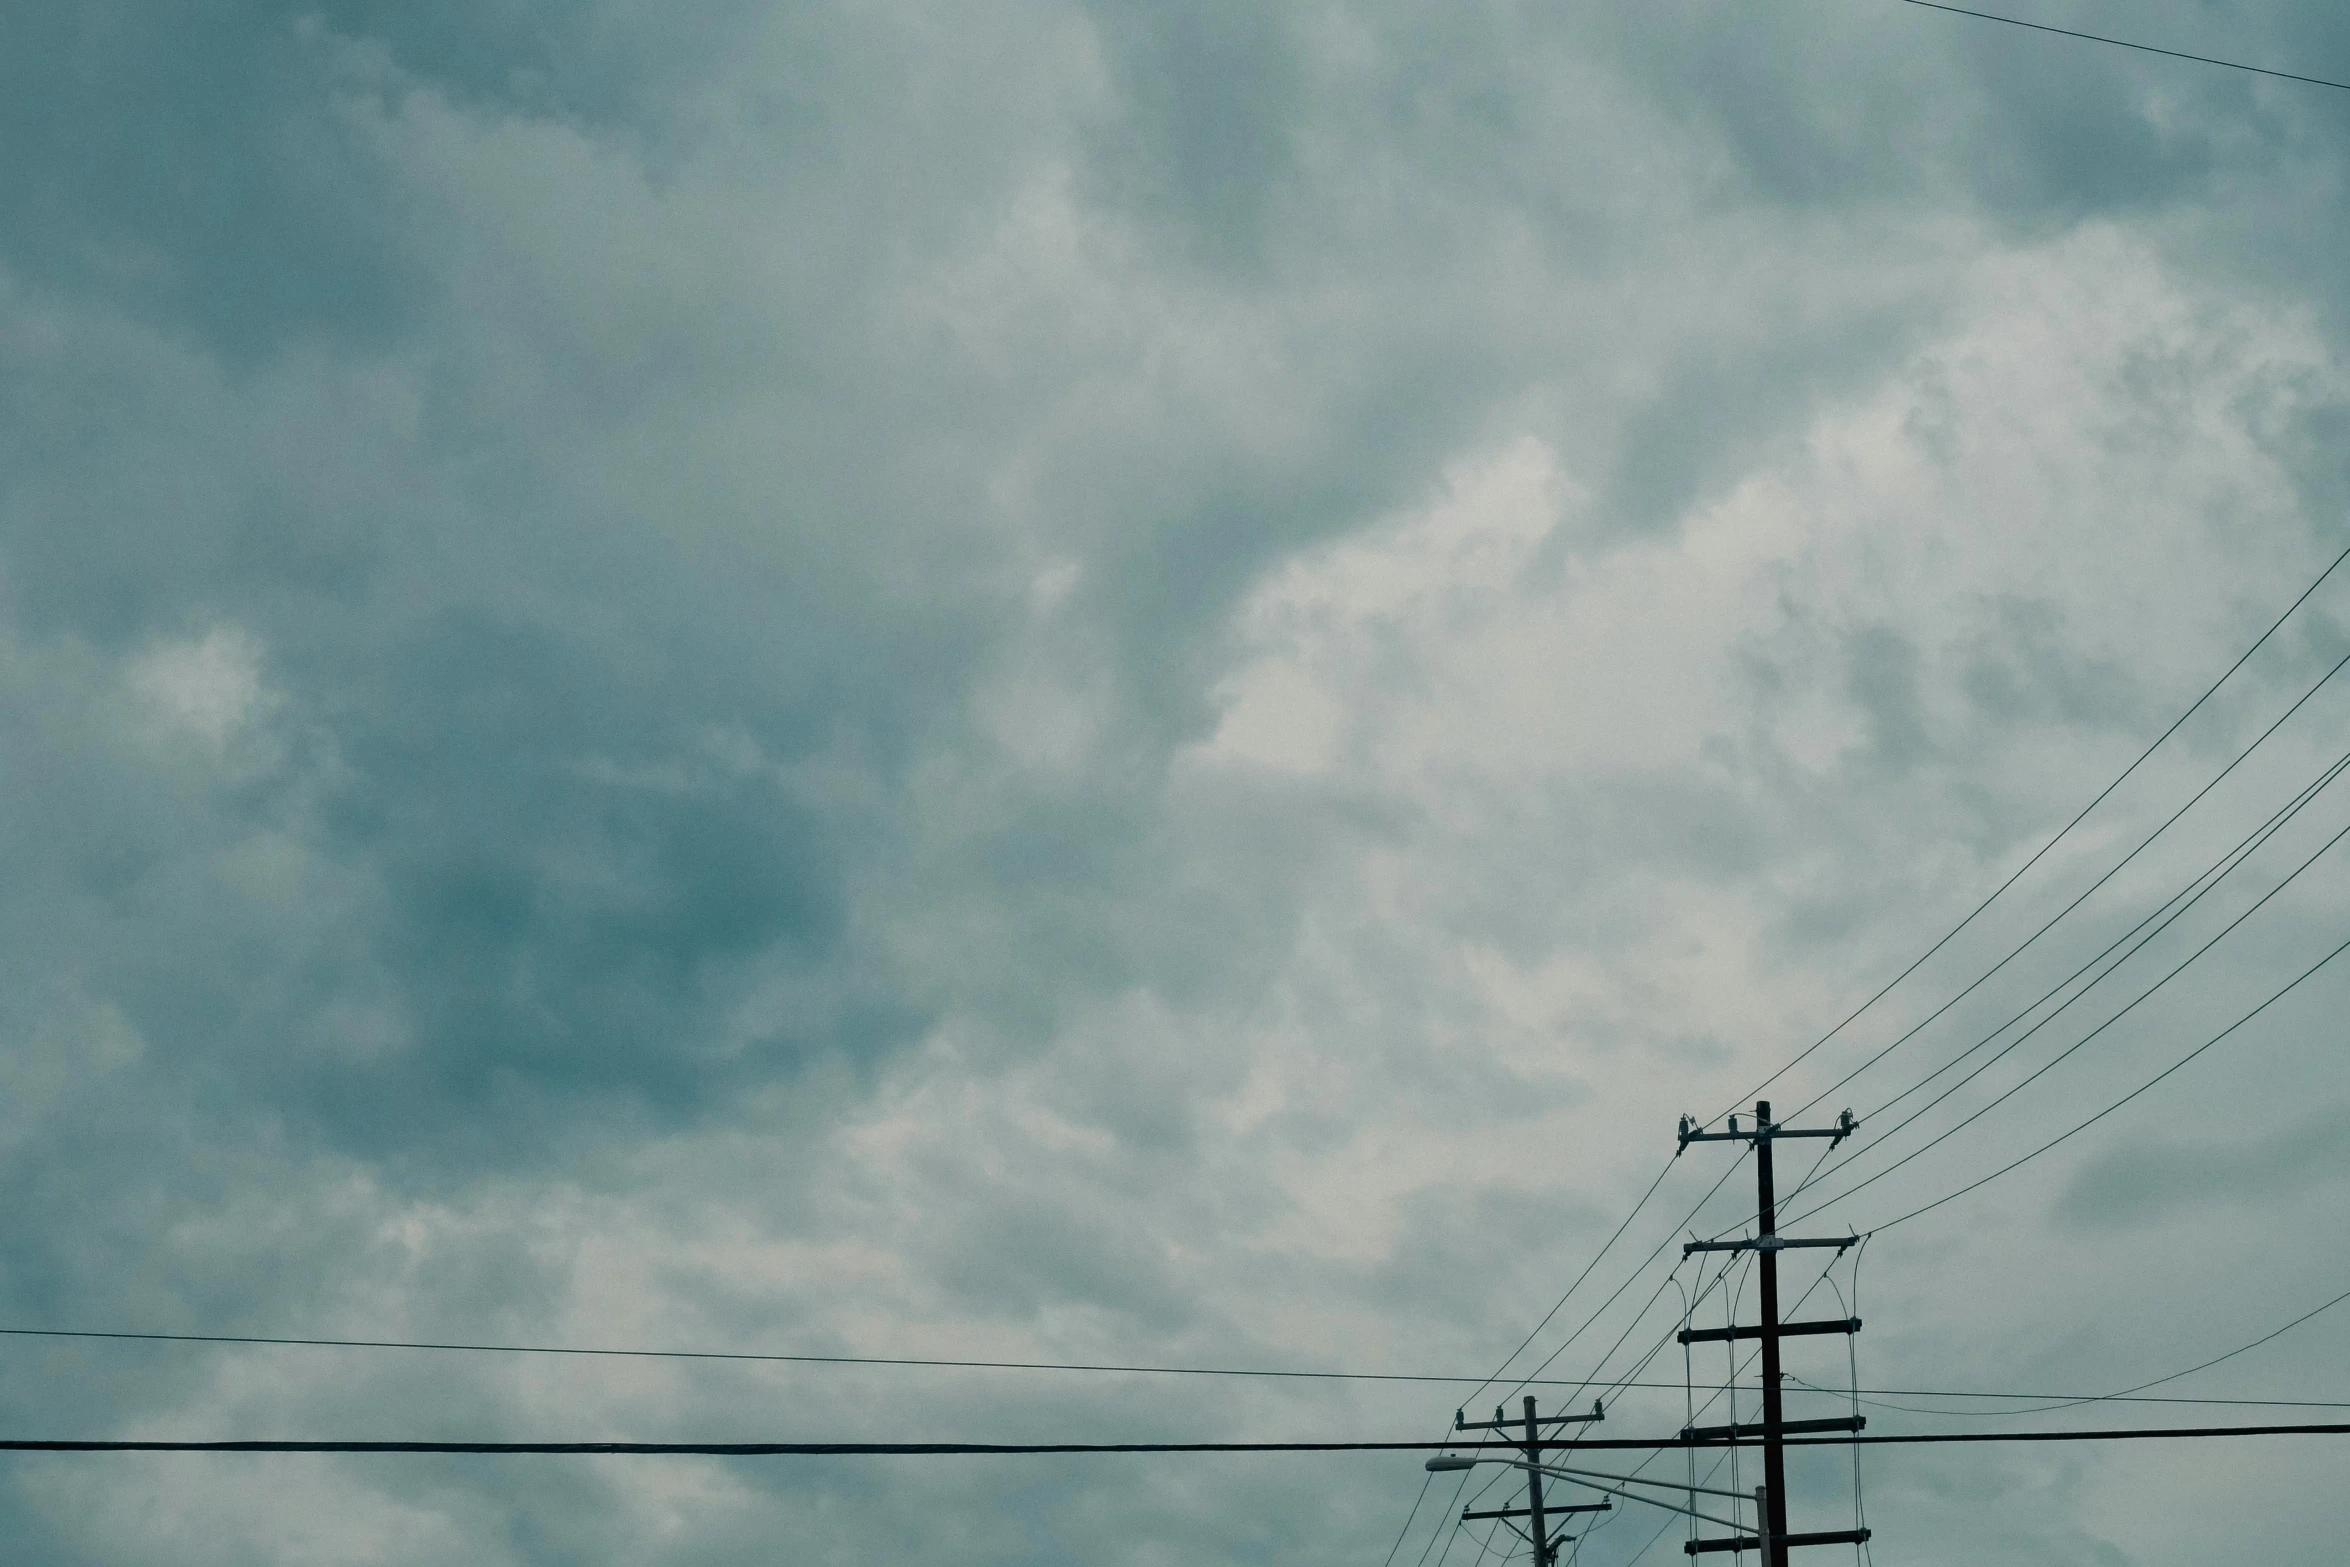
(1151, 684)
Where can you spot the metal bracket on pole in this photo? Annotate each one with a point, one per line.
(1786, 1330)
(1784, 1428)
(1764, 1131)
(1497, 1423)
(1771, 1243)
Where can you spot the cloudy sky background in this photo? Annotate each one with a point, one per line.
(1152, 684)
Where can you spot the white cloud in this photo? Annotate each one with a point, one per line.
(208, 687)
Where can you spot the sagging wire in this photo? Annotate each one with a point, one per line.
(1459, 1525)
(1689, 1388)
(1742, 1264)
(1745, 1262)
(1813, 1173)
(1728, 1454)
(1634, 1277)
(1862, 1554)
(1705, 1288)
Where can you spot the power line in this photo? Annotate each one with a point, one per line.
(1913, 967)
(1633, 1278)
(1560, 1304)
(744, 1356)
(2067, 1052)
(2090, 891)
(2055, 1401)
(2192, 893)
(1032, 1449)
(2124, 43)
(1606, 1384)
(2118, 1103)
(2166, 913)
(2072, 1400)
(1947, 937)
(2037, 854)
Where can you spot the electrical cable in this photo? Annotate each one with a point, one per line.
(1604, 1384)
(720, 1355)
(2173, 728)
(2037, 854)
(2175, 725)
(2069, 1050)
(2116, 869)
(1408, 1517)
(1034, 1449)
(2167, 915)
(1579, 1278)
(2216, 1359)
(2124, 43)
(2130, 1394)
(2109, 1109)
(1629, 1281)
(2209, 878)
(2067, 1400)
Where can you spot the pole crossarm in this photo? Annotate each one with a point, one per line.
(1770, 1243)
(1499, 1423)
(1771, 1537)
(1592, 1477)
(1528, 1512)
(1748, 1542)
(1765, 1131)
(1782, 1428)
(1786, 1330)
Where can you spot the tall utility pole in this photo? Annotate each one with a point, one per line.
(1771, 1498)
(1537, 1532)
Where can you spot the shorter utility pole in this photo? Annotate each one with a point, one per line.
(1771, 1538)
(1537, 1515)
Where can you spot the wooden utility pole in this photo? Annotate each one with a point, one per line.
(1537, 1516)
(1773, 1540)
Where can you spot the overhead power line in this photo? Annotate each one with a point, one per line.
(2084, 1125)
(1025, 1449)
(2038, 854)
(2085, 1039)
(2136, 939)
(755, 1358)
(1603, 1385)
(2124, 43)
(2091, 890)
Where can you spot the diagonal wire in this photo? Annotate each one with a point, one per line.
(1629, 1281)
(2130, 1393)
(2124, 43)
(1577, 1284)
(2192, 893)
(2037, 854)
(2118, 866)
(2118, 1103)
(2062, 1055)
(2210, 877)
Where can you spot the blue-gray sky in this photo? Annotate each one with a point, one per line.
(1140, 683)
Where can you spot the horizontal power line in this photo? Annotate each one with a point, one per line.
(1797, 1384)
(750, 1356)
(1059, 1365)
(2124, 43)
(2062, 832)
(1016, 1449)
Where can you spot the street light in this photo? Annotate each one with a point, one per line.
(1608, 1484)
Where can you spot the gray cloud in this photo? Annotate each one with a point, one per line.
(2141, 1184)
(1090, 683)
